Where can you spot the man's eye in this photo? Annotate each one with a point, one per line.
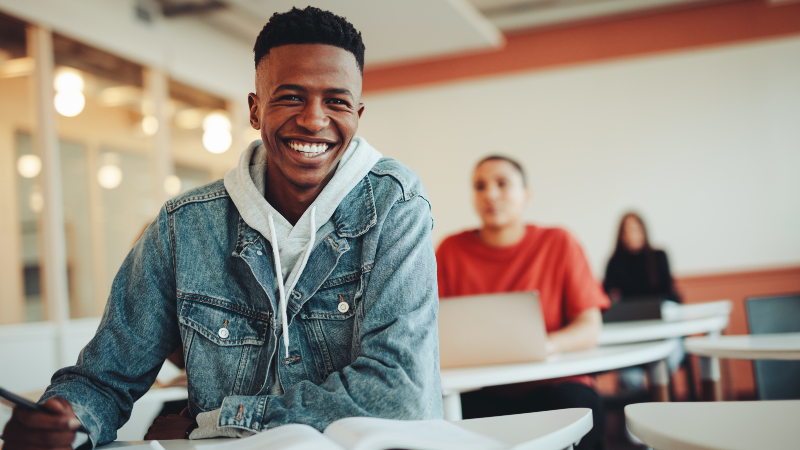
(337, 101)
(291, 98)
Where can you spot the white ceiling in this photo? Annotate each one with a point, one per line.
(398, 31)
(392, 30)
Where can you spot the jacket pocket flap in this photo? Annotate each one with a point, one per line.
(223, 323)
(336, 303)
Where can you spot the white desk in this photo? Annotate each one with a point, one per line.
(651, 330)
(548, 430)
(752, 346)
(716, 425)
(456, 381)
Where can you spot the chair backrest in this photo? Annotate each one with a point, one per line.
(775, 380)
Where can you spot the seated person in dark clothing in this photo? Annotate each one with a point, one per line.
(636, 269)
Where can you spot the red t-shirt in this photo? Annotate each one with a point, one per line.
(548, 260)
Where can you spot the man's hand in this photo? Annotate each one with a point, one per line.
(171, 427)
(33, 430)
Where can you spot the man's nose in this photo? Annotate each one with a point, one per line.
(313, 117)
(492, 192)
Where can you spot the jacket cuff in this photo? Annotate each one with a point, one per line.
(242, 411)
(86, 418)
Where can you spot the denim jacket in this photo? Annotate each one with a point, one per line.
(201, 278)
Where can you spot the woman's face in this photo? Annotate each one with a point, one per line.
(632, 235)
(500, 196)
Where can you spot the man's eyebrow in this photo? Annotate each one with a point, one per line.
(339, 91)
(297, 87)
(290, 87)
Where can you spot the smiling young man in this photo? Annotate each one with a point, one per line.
(302, 288)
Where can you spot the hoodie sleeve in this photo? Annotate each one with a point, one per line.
(396, 374)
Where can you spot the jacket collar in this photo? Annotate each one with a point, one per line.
(356, 213)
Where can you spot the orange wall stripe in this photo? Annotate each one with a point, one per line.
(614, 38)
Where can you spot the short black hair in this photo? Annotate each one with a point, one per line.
(513, 162)
(309, 26)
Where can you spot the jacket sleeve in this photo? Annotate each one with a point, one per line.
(396, 374)
(140, 314)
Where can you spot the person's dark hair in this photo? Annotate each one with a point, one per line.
(309, 26)
(513, 162)
(621, 250)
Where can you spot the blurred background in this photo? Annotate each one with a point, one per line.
(687, 111)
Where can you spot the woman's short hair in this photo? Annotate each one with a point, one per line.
(511, 161)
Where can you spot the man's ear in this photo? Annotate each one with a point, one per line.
(360, 109)
(252, 101)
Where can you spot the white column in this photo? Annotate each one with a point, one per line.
(156, 84)
(451, 401)
(45, 138)
(12, 298)
(101, 290)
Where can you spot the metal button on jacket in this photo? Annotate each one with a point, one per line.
(223, 333)
(343, 307)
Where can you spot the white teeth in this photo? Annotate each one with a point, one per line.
(309, 149)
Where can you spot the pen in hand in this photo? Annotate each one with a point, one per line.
(23, 403)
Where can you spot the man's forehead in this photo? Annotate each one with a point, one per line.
(308, 60)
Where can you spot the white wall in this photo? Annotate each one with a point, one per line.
(705, 143)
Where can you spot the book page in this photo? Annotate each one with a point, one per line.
(287, 437)
(367, 433)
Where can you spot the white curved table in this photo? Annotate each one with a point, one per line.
(716, 425)
(784, 346)
(456, 381)
(547, 430)
(651, 330)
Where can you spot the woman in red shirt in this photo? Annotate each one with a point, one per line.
(507, 255)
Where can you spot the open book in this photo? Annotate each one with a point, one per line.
(365, 433)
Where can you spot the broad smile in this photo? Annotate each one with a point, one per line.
(308, 148)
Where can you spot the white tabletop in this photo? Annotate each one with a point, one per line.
(716, 425)
(574, 363)
(651, 330)
(548, 430)
(751, 346)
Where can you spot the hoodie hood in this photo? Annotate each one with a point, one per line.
(292, 245)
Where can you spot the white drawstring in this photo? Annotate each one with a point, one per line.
(279, 271)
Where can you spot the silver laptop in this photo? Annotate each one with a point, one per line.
(480, 330)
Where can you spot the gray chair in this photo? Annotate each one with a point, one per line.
(775, 380)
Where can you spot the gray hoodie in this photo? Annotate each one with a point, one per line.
(291, 245)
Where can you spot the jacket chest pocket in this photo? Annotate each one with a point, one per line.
(222, 349)
(329, 319)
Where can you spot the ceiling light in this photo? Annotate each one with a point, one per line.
(149, 125)
(68, 80)
(70, 103)
(217, 141)
(29, 165)
(216, 121)
(109, 176)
